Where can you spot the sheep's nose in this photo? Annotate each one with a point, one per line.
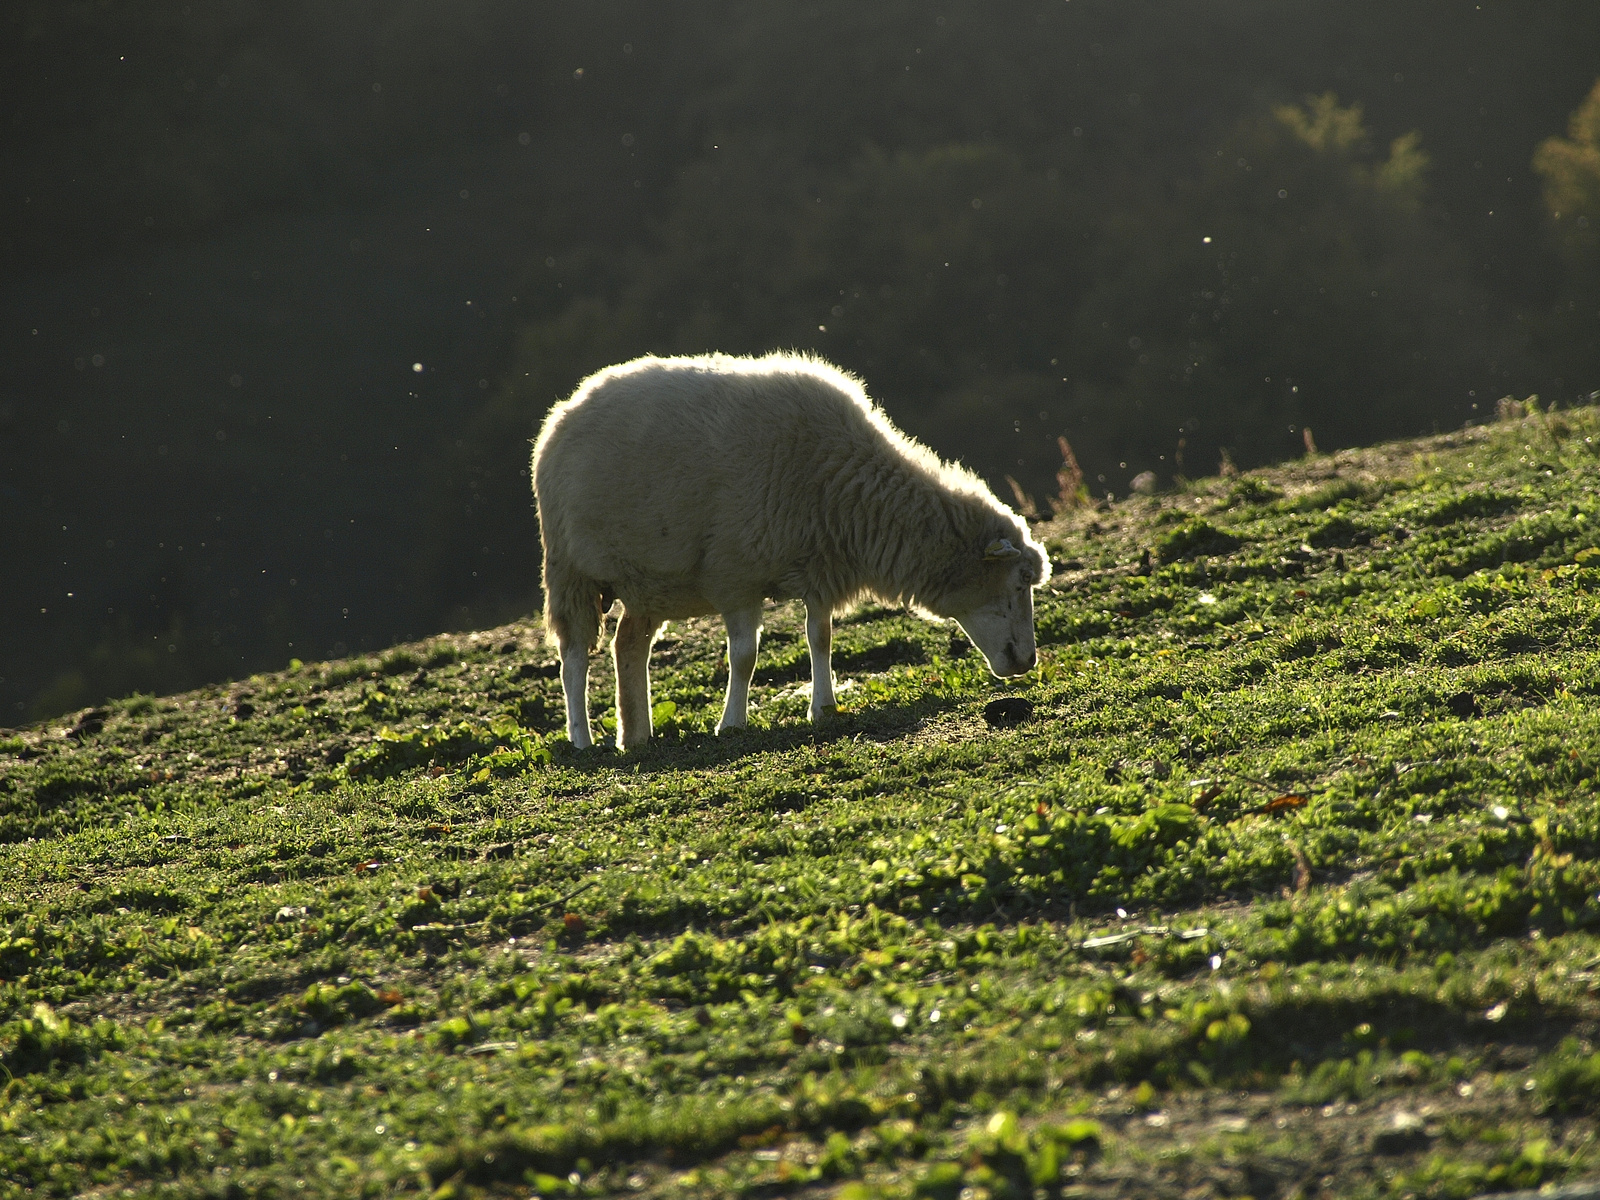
(1023, 665)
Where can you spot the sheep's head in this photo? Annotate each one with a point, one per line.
(993, 603)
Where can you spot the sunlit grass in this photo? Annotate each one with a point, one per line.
(1306, 810)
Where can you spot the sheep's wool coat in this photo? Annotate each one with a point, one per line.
(689, 486)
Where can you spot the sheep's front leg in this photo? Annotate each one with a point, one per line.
(744, 638)
(575, 683)
(630, 650)
(819, 637)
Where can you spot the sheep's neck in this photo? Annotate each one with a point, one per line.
(901, 532)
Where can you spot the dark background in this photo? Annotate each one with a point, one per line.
(229, 231)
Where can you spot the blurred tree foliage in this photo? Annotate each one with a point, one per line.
(1570, 169)
(156, 120)
(1164, 232)
(996, 224)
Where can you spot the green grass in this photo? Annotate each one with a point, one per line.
(1302, 833)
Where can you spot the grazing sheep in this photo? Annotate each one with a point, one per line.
(689, 486)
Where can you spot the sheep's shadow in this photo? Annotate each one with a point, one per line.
(796, 666)
(883, 722)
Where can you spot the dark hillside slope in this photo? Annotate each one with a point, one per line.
(1287, 886)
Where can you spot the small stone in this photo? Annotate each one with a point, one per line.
(89, 723)
(1007, 711)
(1406, 1131)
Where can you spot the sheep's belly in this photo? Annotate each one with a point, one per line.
(664, 601)
(675, 598)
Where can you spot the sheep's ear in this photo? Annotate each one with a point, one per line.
(1000, 550)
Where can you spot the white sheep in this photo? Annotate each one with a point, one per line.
(689, 486)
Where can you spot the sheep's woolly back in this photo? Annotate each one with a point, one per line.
(693, 485)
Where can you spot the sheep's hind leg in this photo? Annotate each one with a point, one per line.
(575, 684)
(573, 621)
(630, 650)
(819, 637)
(744, 637)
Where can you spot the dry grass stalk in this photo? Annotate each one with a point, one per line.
(1071, 491)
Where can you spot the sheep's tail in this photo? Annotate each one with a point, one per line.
(574, 607)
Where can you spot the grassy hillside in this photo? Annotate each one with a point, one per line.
(1287, 887)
